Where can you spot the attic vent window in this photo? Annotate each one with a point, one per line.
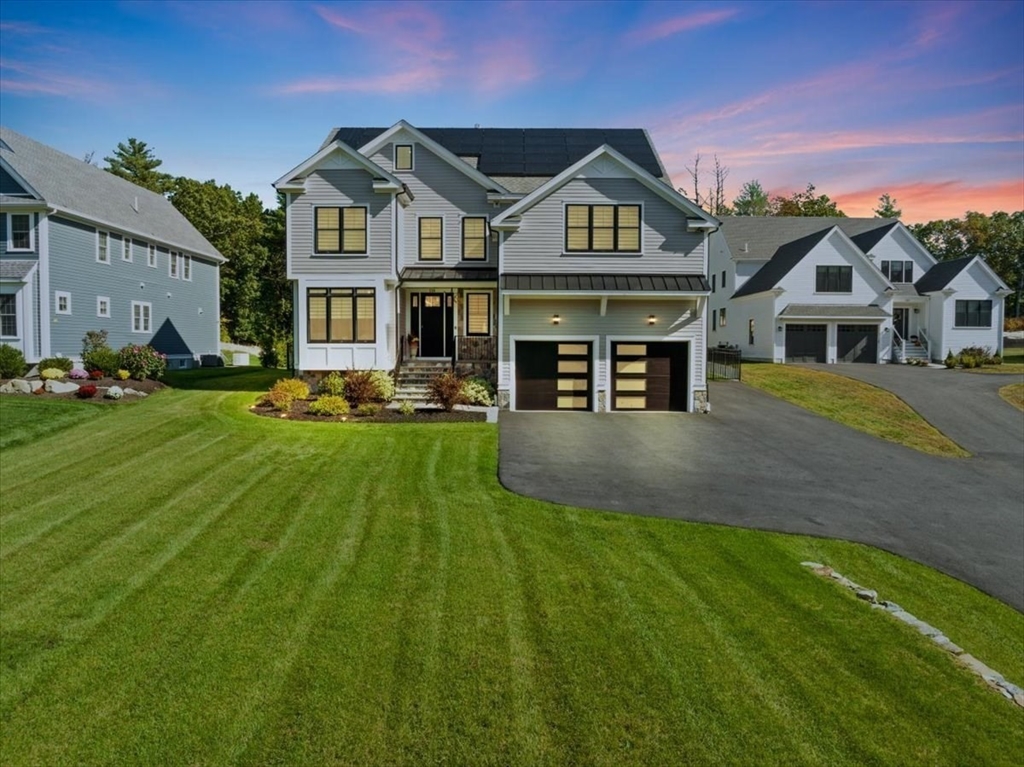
(403, 157)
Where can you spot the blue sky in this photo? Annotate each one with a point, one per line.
(922, 100)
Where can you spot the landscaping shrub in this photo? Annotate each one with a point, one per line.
(77, 374)
(103, 359)
(997, 359)
(385, 385)
(114, 392)
(982, 355)
(968, 362)
(122, 375)
(94, 340)
(950, 361)
(64, 364)
(478, 391)
(142, 362)
(269, 358)
(447, 391)
(369, 409)
(283, 393)
(48, 374)
(95, 374)
(329, 404)
(12, 362)
(360, 387)
(85, 392)
(332, 384)
(406, 408)
(1012, 324)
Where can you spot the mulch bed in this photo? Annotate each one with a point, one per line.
(298, 413)
(147, 387)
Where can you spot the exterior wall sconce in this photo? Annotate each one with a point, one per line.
(651, 319)
(555, 319)
(916, 310)
(779, 328)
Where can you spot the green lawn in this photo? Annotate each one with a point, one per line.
(182, 582)
(853, 403)
(1013, 363)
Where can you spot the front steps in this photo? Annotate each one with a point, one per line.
(414, 376)
(913, 351)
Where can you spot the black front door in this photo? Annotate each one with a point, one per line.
(433, 322)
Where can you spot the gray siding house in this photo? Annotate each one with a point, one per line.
(81, 249)
(560, 262)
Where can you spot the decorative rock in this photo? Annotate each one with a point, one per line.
(929, 631)
(813, 565)
(136, 392)
(23, 387)
(946, 644)
(869, 595)
(60, 387)
(979, 668)
(35, 385)
(892, 607)
(114, 392)
(9, 388)
(1011, 688)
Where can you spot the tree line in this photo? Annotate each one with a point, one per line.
(998, 238)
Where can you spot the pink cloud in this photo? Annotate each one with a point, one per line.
(22, 28)
(395, 82)
(29, 79)
(930, 200)
(663, 28)
(503, 63)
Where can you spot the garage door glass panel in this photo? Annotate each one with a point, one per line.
(631, 349)
(631, 403)
(572, 403)
(572, 366)
(580, 349)
(573, 384)
(631, 384)
(637, 367)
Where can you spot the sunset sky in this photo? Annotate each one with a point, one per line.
(922, 100)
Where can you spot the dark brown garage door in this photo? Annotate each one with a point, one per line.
(857, 343)
(650, 376)
(805, 343)
(553, 375)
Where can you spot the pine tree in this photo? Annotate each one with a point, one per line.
(137, 163)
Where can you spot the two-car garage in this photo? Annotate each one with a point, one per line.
(853, 343)
(560, 375)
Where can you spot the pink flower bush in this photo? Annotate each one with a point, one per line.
(77, 373)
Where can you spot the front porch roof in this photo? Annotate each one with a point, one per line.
(833, 312)
(646, 283)
(421, 274)
(15, 271)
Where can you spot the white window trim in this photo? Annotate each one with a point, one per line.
(10, 234)
(57, 296)
(602, 253)
(99, 260)
(185, 269)
(412, 158)
(99, 310)
(172, 266)
(145, 318)
(152, 257)
(126, 249)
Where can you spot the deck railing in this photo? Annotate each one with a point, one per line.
(476, 349)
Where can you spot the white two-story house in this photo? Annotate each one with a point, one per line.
(794, 289)
(559, 261)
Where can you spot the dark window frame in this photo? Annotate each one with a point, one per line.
(833, 279)
(342, 251)
(713, 282)
(439, 238)
(906, 273)
(483, 237)
(330, 295)
(750, 332)
(490, 311)
(615, 227)
(9, 319)
(13, 233)
(412, 158)
(972, 313)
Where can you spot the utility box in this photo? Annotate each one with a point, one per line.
(240, 359)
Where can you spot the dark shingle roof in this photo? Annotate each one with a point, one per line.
(785, 258)
(756, 238)
(15, 271)
(651, 283)
(867, 240)
(940, 275)
(834, 311)
(444, 275)
(525, 151)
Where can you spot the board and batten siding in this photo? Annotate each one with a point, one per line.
(177, 323)
(666, 246)
(438, 189)
(329, 187)
(676, 320)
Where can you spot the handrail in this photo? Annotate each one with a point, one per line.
(927, 343)
(902, 355)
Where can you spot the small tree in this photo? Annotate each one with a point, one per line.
(136, 162)
(887, 207)
(752, 200)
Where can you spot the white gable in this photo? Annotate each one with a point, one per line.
(900, 245)
(835, 249)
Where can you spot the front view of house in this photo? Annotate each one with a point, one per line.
(559, 262)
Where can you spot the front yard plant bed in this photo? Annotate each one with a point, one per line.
(299, 408)
(102, 385)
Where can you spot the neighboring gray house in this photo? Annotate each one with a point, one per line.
(846, 290)
(560, 261)
(81, 249)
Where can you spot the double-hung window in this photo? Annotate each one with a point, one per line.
(973, 314)
(431, 239)
(172, 266)
(142, 317)
(403, 157)
(19, 228)
(474, 239)
(186, 267)
(834, 279)
(340, 231)
(898, 271)
(126, 244)
(152, 256)
(341, 315)
(8, 315)
(103, 247)
(602, 228)
(478, 314)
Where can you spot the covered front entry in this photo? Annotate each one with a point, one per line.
(857, 343)
(553, 375)
(806, 343)
(432, 322)
(650, 376)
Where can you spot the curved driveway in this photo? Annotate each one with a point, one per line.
(759, 462)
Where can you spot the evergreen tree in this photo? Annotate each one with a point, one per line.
(887, 207)
(752, 200)
(137, 163)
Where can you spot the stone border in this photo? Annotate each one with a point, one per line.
(993, 678)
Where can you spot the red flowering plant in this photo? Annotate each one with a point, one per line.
(143, 362)
(95, 374)
(85, 392)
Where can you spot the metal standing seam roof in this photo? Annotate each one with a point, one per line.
(68, 183)
(646, 283)
(525, 152)
(449, 275)
(15, 271)
(834, 311)
(940, 275)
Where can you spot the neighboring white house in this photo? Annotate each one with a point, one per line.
(845, 290)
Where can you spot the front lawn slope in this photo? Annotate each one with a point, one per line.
(184, 583)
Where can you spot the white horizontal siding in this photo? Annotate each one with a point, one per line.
(667, 248)
(972, 284)
(896, 246)
(340, 188)
(799, 285)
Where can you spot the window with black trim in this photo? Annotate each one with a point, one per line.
(713, 283)
(898, 271)
(973, 314)
(474, 239)
(20, 228)
(478, 314)
(834, 279)
(403, 157)
(431, 239)
(721, 317)
(750, 332)
(8, 315)
(602, 228)
(341, 315)
(340, 231)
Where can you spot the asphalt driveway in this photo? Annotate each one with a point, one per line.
(759, 462)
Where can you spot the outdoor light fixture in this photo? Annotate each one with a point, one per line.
(555, 320)
(651, 319)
